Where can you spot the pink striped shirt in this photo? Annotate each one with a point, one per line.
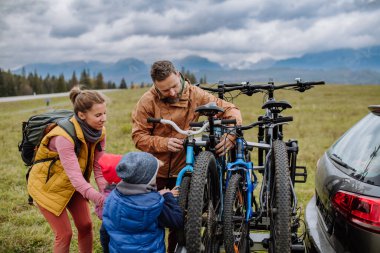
(71, 166)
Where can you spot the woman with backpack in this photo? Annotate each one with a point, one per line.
(59, 179)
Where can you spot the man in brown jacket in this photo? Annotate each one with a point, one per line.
(172, 97)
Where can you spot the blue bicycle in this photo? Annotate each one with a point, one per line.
(193, 147)
(241, 183)
(200, 182)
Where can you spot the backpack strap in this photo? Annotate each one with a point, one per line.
(68, 126)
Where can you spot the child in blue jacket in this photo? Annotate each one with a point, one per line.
(135, 214)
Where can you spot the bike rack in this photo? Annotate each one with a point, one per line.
(261, 243)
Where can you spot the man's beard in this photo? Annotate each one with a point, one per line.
(170, 100)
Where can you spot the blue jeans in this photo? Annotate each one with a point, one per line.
(104, 239)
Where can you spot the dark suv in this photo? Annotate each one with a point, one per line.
(344, 214)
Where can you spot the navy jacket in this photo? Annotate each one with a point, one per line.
(135, 223)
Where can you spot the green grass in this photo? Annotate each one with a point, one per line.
(321, 115)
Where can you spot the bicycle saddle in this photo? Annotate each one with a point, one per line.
(276, 106)
(209, 109)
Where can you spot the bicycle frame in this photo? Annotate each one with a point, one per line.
(190, 157)
(247, 167)
(276, 162)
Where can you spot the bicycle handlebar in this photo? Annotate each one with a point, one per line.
(227, 87)
(203, 125)
(228, 121)
(177, 128)
(196, 124)
(300, 86)
(153, 120)
(283, 119)
(249, 89)
(266, 121)
(216, 122)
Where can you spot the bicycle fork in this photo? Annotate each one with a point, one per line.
(189, 167)
(238, 165)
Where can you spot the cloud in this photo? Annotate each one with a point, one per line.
(234, 33)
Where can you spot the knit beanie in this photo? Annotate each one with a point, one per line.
(108, 163)
(137, 168)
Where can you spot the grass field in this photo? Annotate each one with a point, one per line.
(321, 115)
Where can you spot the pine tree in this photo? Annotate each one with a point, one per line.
(99, 83)
(10, 84)
(123, 84)
(190, 76)
(25, 88)
(47, 86)
(203, 80)
(61, 84)
(73, 81)
(53, 84)
(35, 82)
(2, 84)
(85, 79)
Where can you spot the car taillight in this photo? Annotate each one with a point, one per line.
(359, 209)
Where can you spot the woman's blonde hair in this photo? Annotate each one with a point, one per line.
(83, 100)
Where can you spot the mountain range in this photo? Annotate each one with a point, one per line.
(341, 66)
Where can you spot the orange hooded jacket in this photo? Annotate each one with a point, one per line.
(153, 138)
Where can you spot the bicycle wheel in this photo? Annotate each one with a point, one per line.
(182, 202)
(280, 201)
(236, 229)
(203, 206)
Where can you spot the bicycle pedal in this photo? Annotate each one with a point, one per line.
(251, 243)
(265, 243)
(301, 174)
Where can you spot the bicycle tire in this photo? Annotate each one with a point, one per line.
(236, 229)
(182, 202)
(202, 205)
(280, 203)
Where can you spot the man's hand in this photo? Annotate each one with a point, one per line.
(175, 145)
(226, 143)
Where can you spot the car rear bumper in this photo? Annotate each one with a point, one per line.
(316, 240)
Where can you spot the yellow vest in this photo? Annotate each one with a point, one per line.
(53, 192)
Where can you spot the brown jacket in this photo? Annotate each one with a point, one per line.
(154, 138)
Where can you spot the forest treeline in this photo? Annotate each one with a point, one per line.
(28, 84)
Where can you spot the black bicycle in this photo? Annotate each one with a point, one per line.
(276, 209)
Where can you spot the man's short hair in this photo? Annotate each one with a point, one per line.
(161, 70)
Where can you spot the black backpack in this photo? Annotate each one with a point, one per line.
(34, 130)
(38, 126)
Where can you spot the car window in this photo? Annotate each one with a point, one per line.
(358, 150)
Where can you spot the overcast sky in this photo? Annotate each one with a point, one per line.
(234, 33)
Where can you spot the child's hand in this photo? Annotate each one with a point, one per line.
(175, 191)
(163, 191)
